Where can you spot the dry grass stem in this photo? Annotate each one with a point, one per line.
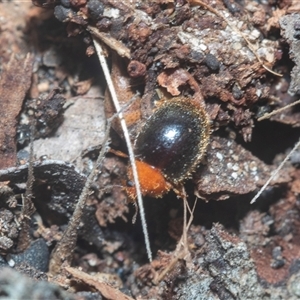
(274, 112)
(114, 97)
(275, 172)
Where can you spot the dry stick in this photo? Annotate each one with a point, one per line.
(28, 207)
(64, 249)
(275, 172)
(111, 42)
(30, 180)
(268, 115)
(114, 97)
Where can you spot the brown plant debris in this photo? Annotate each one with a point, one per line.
(232, 170)
(202, 277)
(14, 83)
(222, 49)
(104, 288)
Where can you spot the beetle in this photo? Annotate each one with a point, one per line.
(169, 146)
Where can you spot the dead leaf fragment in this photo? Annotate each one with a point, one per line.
(173, 79)
(14, 83)
(105, 289)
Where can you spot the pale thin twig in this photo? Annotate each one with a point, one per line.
(186, 208)
(184, 234)
(275, 172)
(114, 97)
(268, 115)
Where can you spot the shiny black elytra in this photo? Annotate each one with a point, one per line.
(174, 138)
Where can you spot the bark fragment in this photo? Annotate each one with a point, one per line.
(14, 84)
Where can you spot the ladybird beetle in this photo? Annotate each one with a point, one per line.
(169, 146)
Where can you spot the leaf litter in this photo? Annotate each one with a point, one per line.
(259, 242)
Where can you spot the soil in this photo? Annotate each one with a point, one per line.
(64, 236)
